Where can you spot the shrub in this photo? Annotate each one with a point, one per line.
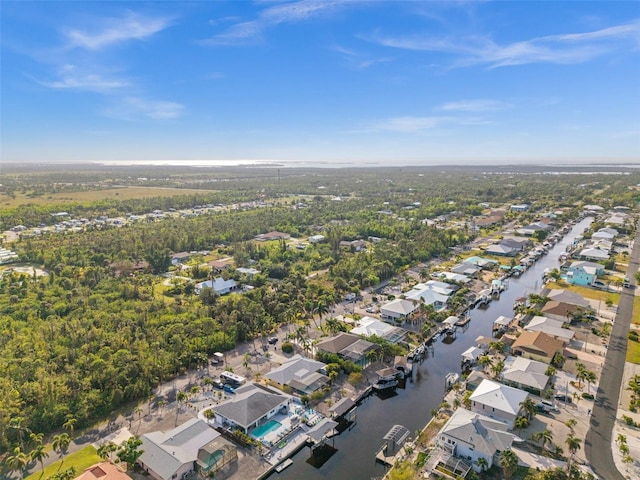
(287, 347)
(633, 336)
(627, 420)
(588, 396)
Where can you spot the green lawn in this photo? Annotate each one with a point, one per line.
(586, 292)
(633, 352)
(80, 460)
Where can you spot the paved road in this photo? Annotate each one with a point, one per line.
(598, 441)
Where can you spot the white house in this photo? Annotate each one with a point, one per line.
(399, 309)
(551, 327)
(250, 407)
(524, 373)
(219, 285)
(497, 401)
(173, 454)
(471, 436)
(316, 238)
(593, 254)
(368, 326)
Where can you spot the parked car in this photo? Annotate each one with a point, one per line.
(218, 384)
(546, 407)
(563, 398)
(371, 310)
(273, 340)
(229, 389)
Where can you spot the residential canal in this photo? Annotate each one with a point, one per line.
(411, 407)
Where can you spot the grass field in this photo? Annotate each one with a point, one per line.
(79, 460)
(125, 193)
(633, 352)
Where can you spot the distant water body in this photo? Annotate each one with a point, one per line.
(557, 166)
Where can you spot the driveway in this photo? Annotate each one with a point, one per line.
(598, 442)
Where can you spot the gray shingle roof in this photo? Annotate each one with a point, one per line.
(249, 405)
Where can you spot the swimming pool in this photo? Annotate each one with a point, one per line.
(262, 430)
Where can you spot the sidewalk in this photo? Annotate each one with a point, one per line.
(632, 470)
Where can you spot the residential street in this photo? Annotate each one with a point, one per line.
(598, 441)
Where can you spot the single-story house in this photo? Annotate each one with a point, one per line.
(551, 327)
(501, 250)
(593, 254)
(516, 242)
(602, 235)
(181, 257)
(103, 471)
(432, 293)
(522, 207)
(532, 228)
(537, 346)
(368, 326)
(525, 374)
(317, 238)
(347, 346)
(569, 297)
(497, 401)
(219, 285)
(219, 265)
(399, 309)
(611, 231)
(170, 455)
(465, 268)
(560, 310)
(471, 436)
(251, 406)
(249, 272)
(455, 277)
(300, 373)
(265, 237)
(354, 245)
(479, 261)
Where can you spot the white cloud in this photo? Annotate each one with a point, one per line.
(73, 79)
(560, 49)
(132, 26)
(132, 108)
(247, 32)
(411, 124)
(477, 105)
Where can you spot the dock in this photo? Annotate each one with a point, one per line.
(280, 467)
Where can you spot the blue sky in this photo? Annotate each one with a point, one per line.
(321, 82)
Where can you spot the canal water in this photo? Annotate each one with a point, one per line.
(411, 407)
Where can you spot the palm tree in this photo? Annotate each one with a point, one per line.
(550, 371)
(482, 463)
(621, 439)
(573, 444)
(60, 444)
(528, 406)
(589, 377)
(497, 368)
(572, 422)
(521, 423)
(70, 424)
(38, 454)
(544, 437)
(509, 463)
(485, 361)
(17, 461)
